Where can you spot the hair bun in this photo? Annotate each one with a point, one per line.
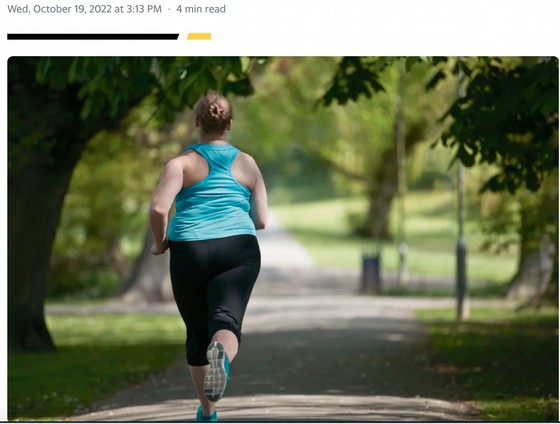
(216, 111)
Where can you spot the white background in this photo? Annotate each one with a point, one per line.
(305, 27)
(278, 28)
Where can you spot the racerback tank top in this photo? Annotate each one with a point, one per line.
(215, 207)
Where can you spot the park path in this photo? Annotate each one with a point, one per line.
(313, 349)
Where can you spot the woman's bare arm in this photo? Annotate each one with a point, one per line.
(170, 183)
(259, 200)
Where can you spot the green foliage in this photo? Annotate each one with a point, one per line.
(98, 355)
(112, 84)
(525, 215)
(354, 77)
(399, 90)
(281, 120)
(508, 117)
(105, 89)
(428, 168)
(105, 210)
(280, 115)
(517, 222)
(361, 76)
(507, 360)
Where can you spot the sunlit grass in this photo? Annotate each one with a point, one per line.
(120, 329)
(97, 355)
(507, 360)
(431, 234)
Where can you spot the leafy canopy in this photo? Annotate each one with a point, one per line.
(508, 115)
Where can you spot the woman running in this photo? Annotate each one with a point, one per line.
(220, 200)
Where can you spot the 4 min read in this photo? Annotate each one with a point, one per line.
(201, 9)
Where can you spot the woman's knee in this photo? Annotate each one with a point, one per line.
(222, 320)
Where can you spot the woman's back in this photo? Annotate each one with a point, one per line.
(216, 194)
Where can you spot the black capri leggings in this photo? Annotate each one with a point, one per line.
(212, 281)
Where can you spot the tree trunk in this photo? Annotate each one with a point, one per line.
(35, 198)
(384, 187)
(538, 254)
(46, 138)
(535, 272)
(376, 221)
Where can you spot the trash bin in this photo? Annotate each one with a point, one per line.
(371, 274)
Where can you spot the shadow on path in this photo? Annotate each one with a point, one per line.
(340, 358)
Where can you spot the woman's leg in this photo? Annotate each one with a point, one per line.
(235, 264)
(188, 265)
(228, 294)
(197, 376)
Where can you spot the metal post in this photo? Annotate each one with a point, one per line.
(462, 283)
(462, 288)
(402, 274)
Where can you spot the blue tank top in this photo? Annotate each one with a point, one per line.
(215, 207)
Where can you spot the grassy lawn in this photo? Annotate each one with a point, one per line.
(97, 355)
(507, 360)
(322, 227)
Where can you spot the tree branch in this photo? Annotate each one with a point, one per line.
(335, 166)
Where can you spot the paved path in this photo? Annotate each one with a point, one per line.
(312, 350)
(279, 249)
(325, 358)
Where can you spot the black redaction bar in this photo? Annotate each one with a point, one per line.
(93, 36)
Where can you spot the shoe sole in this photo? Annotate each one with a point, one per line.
(216, 380)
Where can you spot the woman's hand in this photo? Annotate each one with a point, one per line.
(159, 248)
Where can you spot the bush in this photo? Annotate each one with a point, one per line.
(79, 280)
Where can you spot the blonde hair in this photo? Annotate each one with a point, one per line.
(214, 112)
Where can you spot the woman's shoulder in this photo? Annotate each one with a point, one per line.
(184, 160)
(246, 158)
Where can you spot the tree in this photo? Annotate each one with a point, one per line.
(528, 220)
(55, 106)
(508, 118)
(359, 81)
(355, 140)
(104, 211)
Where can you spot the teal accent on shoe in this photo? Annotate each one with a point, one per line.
(226, 365)
(216, 379)
(202, 418)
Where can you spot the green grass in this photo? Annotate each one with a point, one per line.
(431, 232)
(97, 355)
(507, 360)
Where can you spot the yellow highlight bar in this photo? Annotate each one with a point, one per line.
(199, 36)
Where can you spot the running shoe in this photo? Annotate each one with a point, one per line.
(202, 418)
(216, 380)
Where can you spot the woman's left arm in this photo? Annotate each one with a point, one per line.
(170, 183)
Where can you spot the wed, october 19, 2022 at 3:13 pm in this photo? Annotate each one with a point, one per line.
(110, 8)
